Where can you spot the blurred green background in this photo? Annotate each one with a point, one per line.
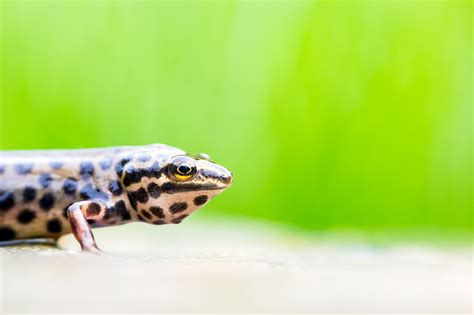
(332, 115)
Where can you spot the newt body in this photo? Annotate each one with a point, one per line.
(54, 192)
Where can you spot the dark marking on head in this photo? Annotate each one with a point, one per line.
(29, 194)
(133, 199)
(158, 212)
(93, 209)
(146, 214)
(142, 195)
(54, 226)
(90, 192)
(137, 196)
(7, 201)
(6, 234)
(171, 188)
(154, 190)
(159, 222)
(56, 165)
(91, 222)
(47, 201)
(115, 188)
(179, 219)
(119, 210)
(86, 169)
(105, 164)
(134, 175)
(178, 207)
(70, 186)
(26, 216)
(154, 170)
(23, 168)
(144, 158)
(122, 210)
(45, 180)
(200, 200)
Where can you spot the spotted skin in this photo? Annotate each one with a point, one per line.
(52, 193)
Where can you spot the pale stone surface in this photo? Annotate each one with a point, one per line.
(238, 267)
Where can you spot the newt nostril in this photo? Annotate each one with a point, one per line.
(229, 178)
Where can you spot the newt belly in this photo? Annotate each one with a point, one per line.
(55, 192)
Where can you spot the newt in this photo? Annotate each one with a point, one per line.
(49, 193)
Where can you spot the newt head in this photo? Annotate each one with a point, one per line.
(170, 184)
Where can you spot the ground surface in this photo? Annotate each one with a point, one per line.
(219, 267)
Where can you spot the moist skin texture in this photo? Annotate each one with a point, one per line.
(55, 192)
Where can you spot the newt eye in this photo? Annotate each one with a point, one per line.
(182, 168)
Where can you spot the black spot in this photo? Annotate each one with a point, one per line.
(137, 196)
(154, 190)
(119, 166)
(142, 195)
(56, 165)
(115, 188)
(122, 210)
(47, 201)
(105, 164)
(135, 175)
(93, 209)
(23, 168)
(179, 219)
(2, 168)
(144, 158)
(132, 175)
(117, 210)
(159, 222)
(91, 222)
(200, 200)
(90, 192)
(157, 211)
(154, 170)
(146, 214)
(109, 213)
(171, 188)
(6, 234)
(29, 194)
(86, 170)
(178, 207)
(7, 201)
(26, 216)
(54, 226)
(45, 180)
(70, 186)
(133, 199)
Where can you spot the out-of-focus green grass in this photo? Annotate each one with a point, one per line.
(330, 114)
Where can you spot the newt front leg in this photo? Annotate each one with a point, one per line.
(78, 214)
